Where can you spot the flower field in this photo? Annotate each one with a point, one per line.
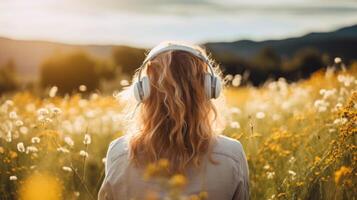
(300, 139)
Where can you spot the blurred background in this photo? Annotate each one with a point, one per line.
(99, 43)
(290, 67)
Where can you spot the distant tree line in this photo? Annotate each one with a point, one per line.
(8, 77)
(69, 71)
(267, 64)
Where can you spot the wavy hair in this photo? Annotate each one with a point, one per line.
(176, 121)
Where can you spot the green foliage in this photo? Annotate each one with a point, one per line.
(69, 71)
(306, 61)
(8, 77)
(128, 58)
(267, 60)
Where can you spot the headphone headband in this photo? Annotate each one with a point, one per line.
(174, 47)
(212, 83)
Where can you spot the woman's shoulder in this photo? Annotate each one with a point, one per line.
(117, 148)
(229, 147)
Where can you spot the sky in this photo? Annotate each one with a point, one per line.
(145, 23)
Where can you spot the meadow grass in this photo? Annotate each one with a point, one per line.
(299, 138)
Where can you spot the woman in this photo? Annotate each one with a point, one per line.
(177, 121)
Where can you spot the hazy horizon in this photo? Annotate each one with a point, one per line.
(146, 22)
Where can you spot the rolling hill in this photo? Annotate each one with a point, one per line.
(28, 55)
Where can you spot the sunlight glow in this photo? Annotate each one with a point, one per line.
(124, 22)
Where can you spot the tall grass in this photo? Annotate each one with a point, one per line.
(300, 140)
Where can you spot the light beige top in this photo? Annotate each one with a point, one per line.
(227, 180)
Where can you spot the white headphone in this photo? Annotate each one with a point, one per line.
(212, 83)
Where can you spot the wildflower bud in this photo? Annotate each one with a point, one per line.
(87, 139)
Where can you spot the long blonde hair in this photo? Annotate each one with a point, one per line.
(176, 121)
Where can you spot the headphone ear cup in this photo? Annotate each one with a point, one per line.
(137, 89)
(208, 85)
(145, 83)
(217, 87)
(212, 83)
(142, 89)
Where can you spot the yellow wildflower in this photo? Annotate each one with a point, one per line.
(342, 172)
(35, 185)
(178, 181)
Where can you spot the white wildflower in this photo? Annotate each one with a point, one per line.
(30, 107)
(68, 140)
(292, 160)
(327, 93)
(340, 121)
(104, 160)
(276, 117)
(270, 175)
(13, 178)
(67, 169)
(347, 80)
(124, 82)
(13, 115)
(292, 173)
(19, 123)
(56, 111)
(24, 130)
(321, 105)
(228, 77)
(260, 115)
(82, 88)
(237, 80)
(322, 91)
(31, 149)
(62, 150)
(338, 106)
(235, 125)
(94, 96)
(35, 140)
(87, 139)
(82, 103)
(272, 197)
(53, 91)
(83, 153)
(21, 147)
(235, 110)
(266, 167)
(9, 136)
(42, 112)
(9, 102)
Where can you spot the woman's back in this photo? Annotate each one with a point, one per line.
(178, 120)
(225, 179)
